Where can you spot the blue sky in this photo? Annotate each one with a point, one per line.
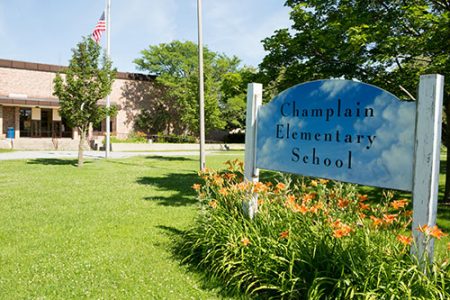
(45, 31)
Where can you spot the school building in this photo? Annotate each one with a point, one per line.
(29, 111)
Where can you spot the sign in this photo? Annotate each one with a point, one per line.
(339, 129)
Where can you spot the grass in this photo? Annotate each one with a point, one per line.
(104, 231)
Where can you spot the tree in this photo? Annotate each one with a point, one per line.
(88, 79)
(385, 43)
(176, 65)
(234, 96)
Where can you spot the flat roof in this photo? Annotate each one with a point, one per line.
(31, 66)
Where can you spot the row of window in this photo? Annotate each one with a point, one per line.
(45, 127)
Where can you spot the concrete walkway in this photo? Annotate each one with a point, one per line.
(94, 154)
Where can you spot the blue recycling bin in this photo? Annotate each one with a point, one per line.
(10, 133)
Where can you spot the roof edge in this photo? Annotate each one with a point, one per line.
(31, 66)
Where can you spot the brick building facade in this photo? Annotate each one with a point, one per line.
(29, 110)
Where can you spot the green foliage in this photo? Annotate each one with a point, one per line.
(386, 43)
(234, 95)
(88, 79)
(310, 240)
(176, 65)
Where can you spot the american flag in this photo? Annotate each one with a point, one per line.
(99, 28)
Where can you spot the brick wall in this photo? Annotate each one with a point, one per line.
(8, 118)
(130, 91)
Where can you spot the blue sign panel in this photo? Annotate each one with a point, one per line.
(339, 129)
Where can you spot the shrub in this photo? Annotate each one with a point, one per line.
(134, 137)
(238, 137)
(311, 239)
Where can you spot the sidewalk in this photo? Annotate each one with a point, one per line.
(91, 154)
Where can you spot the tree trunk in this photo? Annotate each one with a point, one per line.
(447, 163)
(80, 147)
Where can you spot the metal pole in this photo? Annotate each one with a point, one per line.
(201, 87)
(108, 53)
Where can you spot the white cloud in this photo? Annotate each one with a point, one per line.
(387, 163)
(153, 20)
(237, 27)
(333, 87)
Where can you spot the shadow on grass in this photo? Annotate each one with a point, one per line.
(443, 217)
(55, 162)
(179, 184)
(170, 158)
(180, 252)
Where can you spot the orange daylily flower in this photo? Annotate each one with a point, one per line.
(230, 176)
(259, 187)
(223, 191)
(424, 229)
(290, 199)
(307, 197)
(437, 233)
(376, 221)
(213, 203)
(362, 215)
(245, 241)
(281, 186)
(405, 240)
(314, 183)
(363, 197)
(343, 230)
(336, 224)
(218, 180)
(389, 219)
(364, 206)
(242, 186)
(240, 165)
(315, 208)
(284, 234)
(433, 231)
(343, 203)
(408, 213)
(399, 203)
(231, 164)
(303, 209)
(323, 181)
(197, 187)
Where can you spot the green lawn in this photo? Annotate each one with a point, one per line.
(104, 231)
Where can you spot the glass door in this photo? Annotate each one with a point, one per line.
(25, 122)
(46, 122)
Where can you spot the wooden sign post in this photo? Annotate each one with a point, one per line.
(251, 173)
(427, 161)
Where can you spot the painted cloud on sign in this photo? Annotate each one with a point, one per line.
(353, 146)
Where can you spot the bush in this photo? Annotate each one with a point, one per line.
(235, 138)
(134, 137)
(310, 240)
(173, 138)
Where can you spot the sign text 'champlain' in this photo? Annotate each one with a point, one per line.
(338, 110)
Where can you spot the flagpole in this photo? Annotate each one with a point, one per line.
(108, 53)
(201, 87)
